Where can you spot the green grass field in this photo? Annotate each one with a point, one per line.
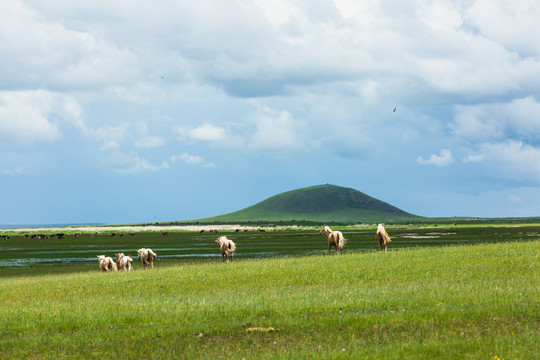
(429, 297)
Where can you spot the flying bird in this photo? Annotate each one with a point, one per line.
(394, 110)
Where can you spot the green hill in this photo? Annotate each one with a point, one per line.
(322, 203)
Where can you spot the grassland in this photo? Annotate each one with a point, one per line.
(469, 299)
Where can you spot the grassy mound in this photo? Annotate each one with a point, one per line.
(476, 301)
(322, 203)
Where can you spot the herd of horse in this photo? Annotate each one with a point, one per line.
(124, 262)
(336, 239)
(227, 248)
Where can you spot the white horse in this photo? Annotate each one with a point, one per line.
(227, 248)
(124, 262)
(382, 237)
(147, 257)
(106, 263)
(335, 238)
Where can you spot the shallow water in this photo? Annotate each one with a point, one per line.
(25, 252)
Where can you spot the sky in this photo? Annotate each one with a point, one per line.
(142, 111)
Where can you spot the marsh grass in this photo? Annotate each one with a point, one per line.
(74, 254)
(462, 301)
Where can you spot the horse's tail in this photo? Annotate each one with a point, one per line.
(232, 246)
(341, 240)
(385, 236)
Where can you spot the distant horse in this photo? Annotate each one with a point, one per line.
(147, 257)
(382, 237)
(227, 247)
(106, 263)
(335, 238)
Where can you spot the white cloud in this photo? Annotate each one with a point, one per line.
(149, 142)
(132, 163)
(444, 159)
(513, 160)
(473, 159)
(512, 23)
(275, 130)
(193, 160)
(205, 132)
(37, 50)
(441, 16)
(18, 170)
(24, 116)
(517, 119)
(109, 146)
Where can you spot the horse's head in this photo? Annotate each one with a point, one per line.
(325, 230)
(220, 240)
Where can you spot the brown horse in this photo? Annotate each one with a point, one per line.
(335, 238)
(227, 247)
(382, 237)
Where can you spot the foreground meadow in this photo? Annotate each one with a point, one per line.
(467, 301)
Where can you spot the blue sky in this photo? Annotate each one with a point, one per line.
(120, 112)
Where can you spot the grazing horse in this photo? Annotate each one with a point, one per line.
(335, 238)
(106, 263)
(382, 237)
(147, 257)
(227, 247)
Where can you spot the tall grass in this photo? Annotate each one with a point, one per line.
(476, 301)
